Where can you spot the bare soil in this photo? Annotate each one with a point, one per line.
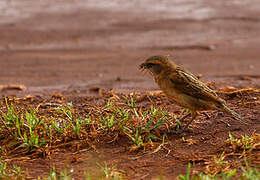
(72, 47)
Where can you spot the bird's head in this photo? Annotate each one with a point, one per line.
(155, 64)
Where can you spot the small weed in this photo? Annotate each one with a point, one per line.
(69, 123)
(62, 175)
(107, 122)
(219, 161)
(123, 118)
(136, 138)
(143, 134)
(110, 172)
(250, 172)
(15, 173)
(187, 175)
(243, 143)
(131, 100)
(23, 127)
(223, 175)
(109, 104)
(218, 164)
(202, 176)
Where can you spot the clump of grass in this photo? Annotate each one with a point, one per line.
(218, 165)
(68, 123)
(11, 173)
(22, 127)
(123, 117)
(143, 135)
(110, 172)
(28, 129)
(104, 172)
(243, 143)
(249, 173)
(63, 174)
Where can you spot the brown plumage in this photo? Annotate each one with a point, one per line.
(184, 88)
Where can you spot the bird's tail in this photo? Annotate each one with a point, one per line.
(234, 114)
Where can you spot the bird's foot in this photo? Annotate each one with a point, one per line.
(180, 130)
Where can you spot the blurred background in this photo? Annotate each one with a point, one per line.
(50, 45)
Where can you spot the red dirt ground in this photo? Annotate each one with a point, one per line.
(71, 46)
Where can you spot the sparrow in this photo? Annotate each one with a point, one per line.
(184, 88)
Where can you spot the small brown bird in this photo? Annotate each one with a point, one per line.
(184, 88)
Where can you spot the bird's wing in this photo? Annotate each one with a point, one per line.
(189, 84)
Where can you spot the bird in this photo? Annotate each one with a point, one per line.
(185, 89)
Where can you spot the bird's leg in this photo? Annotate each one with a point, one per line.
(178, 127)
(193, 115)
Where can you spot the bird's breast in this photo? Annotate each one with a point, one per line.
(173, 93)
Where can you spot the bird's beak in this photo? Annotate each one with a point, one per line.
(143, 66)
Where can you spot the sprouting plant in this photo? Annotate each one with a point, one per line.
(11, 120)
(136, 137)
(109, 104)
(107, 122)
(13, 173)
(157, 117)
(218, 164)
(70, 121)
(219, 161)
(24, 127)
(79, 123)
(223, 175)
(53, 175)
(244, 143)
(187, 175)
(110, 172)
(149, 127)
(62, 175)
(123, 117)
(88, 119)
(250, 172)
(66, 174)
(151, 119)
(67, 110)
(57, 126)
(131, 100)
(2, 169)
(76, 126)
(34, 124)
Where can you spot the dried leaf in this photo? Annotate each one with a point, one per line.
(12, 87)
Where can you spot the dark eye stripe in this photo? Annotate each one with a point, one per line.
(150, 65)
